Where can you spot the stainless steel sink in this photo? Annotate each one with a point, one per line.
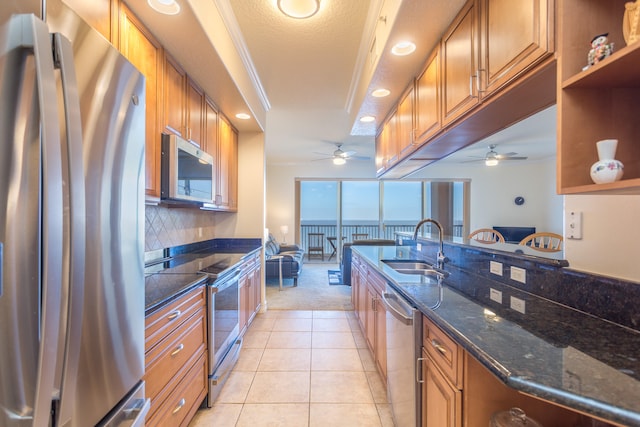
(414, 267)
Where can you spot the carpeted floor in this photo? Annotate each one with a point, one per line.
(312, 293)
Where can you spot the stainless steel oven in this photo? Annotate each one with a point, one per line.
(223, 329)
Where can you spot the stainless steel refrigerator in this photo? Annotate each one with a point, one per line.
(71, 223)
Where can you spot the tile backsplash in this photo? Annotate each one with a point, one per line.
(168, 227)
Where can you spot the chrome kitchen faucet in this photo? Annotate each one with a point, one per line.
(441, 259)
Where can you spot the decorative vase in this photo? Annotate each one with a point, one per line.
(607, 169)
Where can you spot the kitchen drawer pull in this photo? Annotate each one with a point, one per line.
(174, 315)
(442, 349)
(177, 350)
(180, 405)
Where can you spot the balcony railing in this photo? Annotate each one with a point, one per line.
(350, 233)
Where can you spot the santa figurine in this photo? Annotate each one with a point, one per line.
(600, 48)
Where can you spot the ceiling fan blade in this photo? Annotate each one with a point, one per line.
(322, 158)
(360, 157)
(323, 154)
(513, 158)
(346, 154)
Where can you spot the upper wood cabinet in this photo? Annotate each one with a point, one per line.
(194, 114)
(227, 163)
(100, 14)
(174, 97)
(494, 66)
(406, 130)
(598, 103)
(514, 35)
(459, 49)
(183, 103)
(146, 54)
(427, 99)
(210, 140)
(386, 144)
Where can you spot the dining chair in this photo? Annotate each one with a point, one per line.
(543, 241)
(486, 235)
(315, 246)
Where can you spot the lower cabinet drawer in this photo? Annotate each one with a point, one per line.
(443, 350)
(172, 357)
(180, 406)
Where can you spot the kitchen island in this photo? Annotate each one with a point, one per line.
(551, 352)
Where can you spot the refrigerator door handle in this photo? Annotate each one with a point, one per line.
(28, 32)
(71, 337)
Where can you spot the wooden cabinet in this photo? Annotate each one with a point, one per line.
(184, 103)
(370, 310)
(514, 37)
(250, 292)
(442, 378)
(100, 14)
(210, 144)
(494, 66)
(427, 99)
(227, 164)
(601, 102)
(386, 149)
(174, 97)
(175, 359)
(405, 126)
(139, 46)
(441, 401)
(459, 47)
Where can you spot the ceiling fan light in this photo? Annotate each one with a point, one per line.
(491, 162)
(299, 9)
(339, 161)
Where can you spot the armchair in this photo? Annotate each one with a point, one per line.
(292, 257)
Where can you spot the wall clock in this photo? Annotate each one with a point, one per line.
(519, 200)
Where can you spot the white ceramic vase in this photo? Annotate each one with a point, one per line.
(607, 168)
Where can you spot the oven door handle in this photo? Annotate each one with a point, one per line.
(225, 282)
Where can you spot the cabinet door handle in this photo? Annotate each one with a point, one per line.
(438, 346)
(180, 405)
(419, 378)
(177, 350)
(174, 315)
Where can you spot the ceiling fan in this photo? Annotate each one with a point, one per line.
(340, 157)
(492, 158)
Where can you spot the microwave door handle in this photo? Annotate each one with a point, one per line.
(63, 54)
(29, 32)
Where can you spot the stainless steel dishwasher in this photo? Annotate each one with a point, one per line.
(404, 335)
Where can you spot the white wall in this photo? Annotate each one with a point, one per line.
(610, 243)
(493, 190)
(249, 220)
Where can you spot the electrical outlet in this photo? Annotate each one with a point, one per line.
(518, 305)
(573, 225)
(199, 231)
(495, 267)
(400, 241)
(519, 274)
(495, 295)
(418, 247)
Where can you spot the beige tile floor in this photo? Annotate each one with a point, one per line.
(301, 368)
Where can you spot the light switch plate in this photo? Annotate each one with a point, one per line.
(519, 274)
(418, 247)
(495, 295)
(518, 305)
(495, 267)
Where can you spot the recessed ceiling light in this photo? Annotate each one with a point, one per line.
(243, 116)
(403, 48)
(379, 93)
(367, 119)
(299, 9)
(166, 7)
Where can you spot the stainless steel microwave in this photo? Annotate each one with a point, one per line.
(187, 172)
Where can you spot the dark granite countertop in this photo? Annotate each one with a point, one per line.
(169, 278)
(552, 352)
